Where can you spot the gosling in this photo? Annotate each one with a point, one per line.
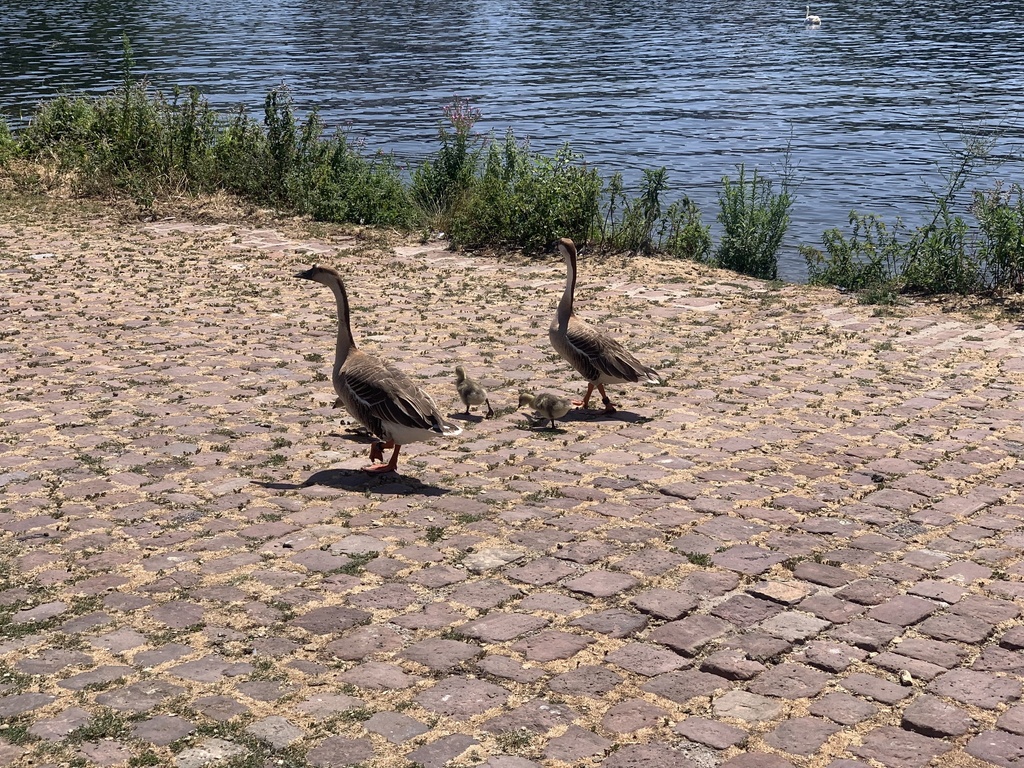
(546, 405)
(471, 392)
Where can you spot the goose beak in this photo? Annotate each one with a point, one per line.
(305, 274)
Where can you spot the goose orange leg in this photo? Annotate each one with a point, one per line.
(609, 406)
(377, 454)
(585, 402)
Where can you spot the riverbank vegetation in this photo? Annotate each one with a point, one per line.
(483, 191)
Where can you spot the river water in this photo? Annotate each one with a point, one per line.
(869, 107)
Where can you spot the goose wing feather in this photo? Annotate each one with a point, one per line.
(602, 354)
(376, 393)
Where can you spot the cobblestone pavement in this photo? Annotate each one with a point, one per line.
(803, 550)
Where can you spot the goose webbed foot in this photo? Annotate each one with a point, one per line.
(490, 411)
(377, 455)
(609, 406)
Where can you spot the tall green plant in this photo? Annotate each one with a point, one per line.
(525, 200)
(8, 144)
(682, 234)
(754, 219)
(440, 183)
(639, 216)
(1001, 218)
(871, 256)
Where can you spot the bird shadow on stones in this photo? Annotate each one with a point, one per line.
(473, 418)
(580, 414)
(391, 483)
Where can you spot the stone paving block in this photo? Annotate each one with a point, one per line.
(276, 731)
(896, 748)
(931, 716)
(665, 603)
(747, 559)
(980, 689)
(757, 760)
(19, 703)
(434, 616)
(209, 751)
(746, 706)
(541, 572)
(986, 609)
(794, 626)
(832, 656)
(647, 756)
(220, 708)
(875, 688)
(509, 669)
(831, 608)
(632, 715)
(732, 665)
(801, 735)
(395, 727)
(602, 583)
(499, 627)
(576, 744)
(648, 660)
(784, 592)
(361, 642)
(897, 664)
(757, 645)
(139, 697)
(330, 619)
(820, 573)
(843, 708)
(790, 681)
(57, 727)
(997, 748)
(537, 716)
(378, 675)
(903, 610)
(437, 754)
(592, 681)
(868, 634)
(458, 697)
(744, 610)
(690, 634)
(441, 655)
(615, 622)
(340, 752)
(681, 686)
(551, 645)
(484, 594)
(322, 706)
(711, 733)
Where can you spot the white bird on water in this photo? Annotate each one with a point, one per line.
(811, 20)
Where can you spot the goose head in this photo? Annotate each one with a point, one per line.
(567, 249)
(460, 374)
(319, 274)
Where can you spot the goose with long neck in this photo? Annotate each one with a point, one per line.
(809, 18)
(598, 358)
(383, 399)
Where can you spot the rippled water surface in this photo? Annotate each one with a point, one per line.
(872, 102)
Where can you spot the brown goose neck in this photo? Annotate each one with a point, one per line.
(345, 341)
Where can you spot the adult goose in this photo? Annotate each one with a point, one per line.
(811, 19)
(598, 358)
(383, 399)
